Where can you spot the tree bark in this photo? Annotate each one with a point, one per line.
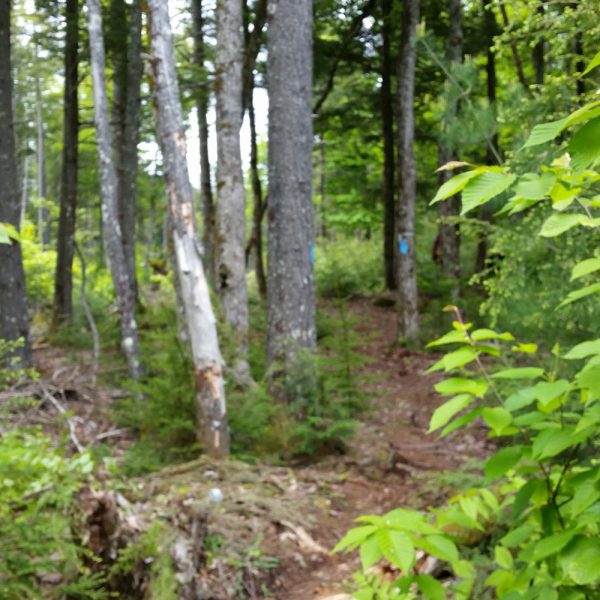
(231, 212)
(290, 290)
(447, 211)
(14, 321)
(200, 322)
(252, 46)
(408, 317)
(108, 191)
(389, 163)
(63, 279)
(126, 151)
(206, 193)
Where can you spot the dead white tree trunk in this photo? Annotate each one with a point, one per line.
(200, 321)
(108, 191)
(230, 269)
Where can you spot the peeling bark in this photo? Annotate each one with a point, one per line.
(108, 191)
(211, 416)
(14, 322)
(63, 279)
(290, 290)
(408, 317)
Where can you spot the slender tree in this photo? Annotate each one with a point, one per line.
(122, 283)
(514, 50)
(449, 231)
(202, 97)
(290, 289)
(252, 46)
(538, 55)
(42, 191)
(231, 223)
(63, 278)
(199, 318)
(408, 317)
(389, 164)
(14, 322)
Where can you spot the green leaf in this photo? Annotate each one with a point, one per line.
(446, 411)
(585, 267)
(517, 536)
(593, 64)
(4, 239)
(552, 544)
(440, 546)
(584, 146)
(455, 185)
(397, 548)
(580, 293)
(452, 337)
(370, 553)
(581, 560)
(589, 378)
(480, 190)
(461, 422)
(553, 441)
(532, 186)
(546, 391)
(560, 222)
(497, 418)
(503, 557)
(480, 335)
(583, 350)
(430, 587)
(545, 132)
(459, 385)
(505, 459)
(519, 373)
(354, 537)
(520, 399)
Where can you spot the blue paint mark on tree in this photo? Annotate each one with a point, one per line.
(403, 246)
(311, 253)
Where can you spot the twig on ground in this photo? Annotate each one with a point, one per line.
(61, 409)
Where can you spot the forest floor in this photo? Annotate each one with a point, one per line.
(275, 526)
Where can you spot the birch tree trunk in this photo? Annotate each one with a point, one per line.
(231, 222)
(387, 123)
(202, 96)
(108, 191)
(211, 414)
(63, 278)
(408, 317)
(290, 289)
(449, 232)
(14, 322)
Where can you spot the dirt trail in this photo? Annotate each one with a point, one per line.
(296, 514)
(388, 459)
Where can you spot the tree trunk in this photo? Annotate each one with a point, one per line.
(206, 194)
(491, 30)
(42, 192)
(63, 279)
(408, 317)
(389, 165)
(108, 191)
(231, 213)
(447, 211)
(515, 51)
(538, 53)
(14, 321)
(252, 46)
(210, 408)
(580, 64)
(126, 151)
(290, 289)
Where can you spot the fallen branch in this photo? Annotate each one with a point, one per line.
(61, 409)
